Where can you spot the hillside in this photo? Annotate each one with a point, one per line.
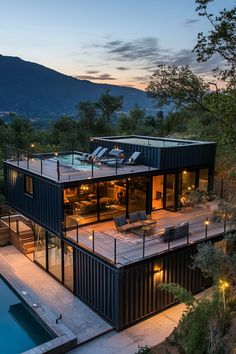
(34, 90)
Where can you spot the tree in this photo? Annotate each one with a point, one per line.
(109, 104)
(215, 262)
(203, 327)
(221, 39)
(177, 86)
(21, 133)
(64, 133)
(87, 115)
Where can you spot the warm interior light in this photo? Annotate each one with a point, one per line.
(184, 172)
(189, 188)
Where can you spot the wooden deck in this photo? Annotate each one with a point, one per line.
(131, 247)
(48, 169)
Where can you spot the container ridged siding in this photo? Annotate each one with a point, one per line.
(44, 207)
(97, 284)
(168, 158)
(141, 295)
(130, 293)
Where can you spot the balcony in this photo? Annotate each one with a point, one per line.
(124, 248)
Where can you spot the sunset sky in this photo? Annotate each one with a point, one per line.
(115, 41)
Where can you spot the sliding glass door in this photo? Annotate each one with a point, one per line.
(170, 186)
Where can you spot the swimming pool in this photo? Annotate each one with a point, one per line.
(73, 161)
(19, 329)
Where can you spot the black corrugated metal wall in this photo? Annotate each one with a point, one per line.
(125, 295)
(169, 158)
(44, 207)
(96, 282)
(140, 283)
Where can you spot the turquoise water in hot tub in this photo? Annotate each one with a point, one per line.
(76, 163)
(19, 329)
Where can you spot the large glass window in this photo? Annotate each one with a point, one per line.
(188, 181)
(112, 198)
(54, 255)
(40, 246)
(137, 194)
(80, 204)
(157, 192)
(203, 179)
(68, 267)
(170, 192)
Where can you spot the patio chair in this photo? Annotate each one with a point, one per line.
(133, 158)
(87, 156)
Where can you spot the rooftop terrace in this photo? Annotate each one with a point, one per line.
(66, 167)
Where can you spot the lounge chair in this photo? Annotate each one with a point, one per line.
(114, 162)
(116, 152)
(87, 156)
(101, 153)
(133, 158)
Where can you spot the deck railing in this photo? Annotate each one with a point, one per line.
(120, 248)
(50, 166)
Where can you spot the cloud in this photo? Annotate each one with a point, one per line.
(139, 49)
(92, 72)
(122, 68)
(191, 21)
(143, 55)
(101, 77)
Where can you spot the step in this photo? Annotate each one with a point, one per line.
(28, 250)
(26, 239)
(28, 244)
(26, 235)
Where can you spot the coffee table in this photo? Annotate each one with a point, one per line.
(145, 230)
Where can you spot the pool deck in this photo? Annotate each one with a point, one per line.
(49, 169)
(50, 296)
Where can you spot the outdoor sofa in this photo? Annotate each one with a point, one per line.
(172, 233)
(136, 221)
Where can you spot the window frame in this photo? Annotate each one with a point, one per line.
(26, 185)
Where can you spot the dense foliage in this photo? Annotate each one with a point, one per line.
(205, 323)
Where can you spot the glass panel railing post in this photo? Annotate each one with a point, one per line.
(143, 243)
(77, 232)
(93, 239)
(114, 250)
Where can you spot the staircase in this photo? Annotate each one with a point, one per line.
(24, 241)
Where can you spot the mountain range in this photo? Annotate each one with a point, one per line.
(33, 90)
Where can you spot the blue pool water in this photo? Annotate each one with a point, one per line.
(77, 164)
(19, 330)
